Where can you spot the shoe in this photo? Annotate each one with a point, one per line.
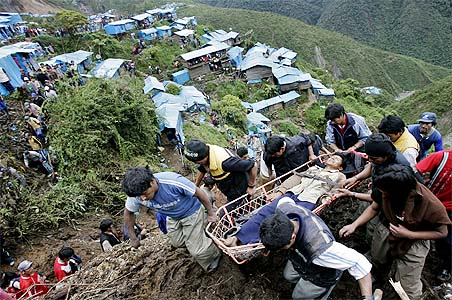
(214, 265)
(12, 263)
(444, 276)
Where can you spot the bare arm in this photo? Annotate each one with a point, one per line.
(357, 145)
(198, 178)
(365, 217)
(129, 221)
(366, 173)
(252, 179)
(365, 285)
(402, 232)
(212, 217)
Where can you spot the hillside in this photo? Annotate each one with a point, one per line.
(436, 97)
(344, 56)
(391, 25)
(33, 6)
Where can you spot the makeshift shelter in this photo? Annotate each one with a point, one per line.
(235, 56)
(284, 56)
(197, 62)
(170, 117)
(275, 103)
(148, 34)
(289, 78)
(81, 58)
(325, 94)
(109, 68)
(143, 18)
(256, 66)
(12, 70)
(162, 98)
(168, 14)
(164, 31)
(181, 76)
(316, 85)
(184, 35)
(195, 100)
(118, 27)
(179, 24)
(151, 84)
(14, 18)
(371, 90)
(230, 38)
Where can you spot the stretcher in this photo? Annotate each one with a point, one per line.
(244, 207)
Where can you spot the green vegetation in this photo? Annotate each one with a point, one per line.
(343, 55)
(172, 89)
(232, 111)
(390, 25)
(435, 97)
(96, 132)
(70, 20)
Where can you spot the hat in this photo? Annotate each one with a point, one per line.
(427, 117)
(196, 150)
(26, 104)
(379, 145)
(25, 265)
(26, 79)
(46, 88)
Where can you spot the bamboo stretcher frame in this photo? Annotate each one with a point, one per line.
(243, 253)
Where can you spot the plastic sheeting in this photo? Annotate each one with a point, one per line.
(170, 116)
(13, 72)
(109, 68)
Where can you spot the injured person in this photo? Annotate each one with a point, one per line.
(306, 189)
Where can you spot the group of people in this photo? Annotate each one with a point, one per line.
(410, 214)
(29, 283)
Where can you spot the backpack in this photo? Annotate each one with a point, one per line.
(353, 164)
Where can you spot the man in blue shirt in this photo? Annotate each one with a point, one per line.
(177, 198)
(426, 134)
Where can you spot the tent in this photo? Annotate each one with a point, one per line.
(195, 100)
(164, 31)
(148, 34)
(119, 27)
(181, 76)
(12, 70)
(170, 116)
(109, 68)
(142, 17)
(235, 56)
(152, 84)
(81, 58)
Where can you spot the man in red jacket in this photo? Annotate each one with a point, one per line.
(64, 265)
(32, 284)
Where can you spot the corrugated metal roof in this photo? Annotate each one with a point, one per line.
(185, 32)
(181, 21)
(326, 92)
(255, 117)
(235, 51)
(153, 11)
(316, 84)
(149, 31)
(141, 17)
(204, 51)
(275, 100)
(164, 27)
(255, 59)
(120, 22)
(107, 68)
(78, 56)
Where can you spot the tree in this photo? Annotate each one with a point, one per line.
(70, 20)
(232, 111)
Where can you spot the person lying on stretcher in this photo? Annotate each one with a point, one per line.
(304, 188)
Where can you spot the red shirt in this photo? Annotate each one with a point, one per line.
(61, 269)
(27, 285)
(440, 185)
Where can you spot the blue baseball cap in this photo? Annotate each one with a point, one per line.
(427, 117)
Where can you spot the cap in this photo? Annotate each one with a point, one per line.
(25, 265)
(26, 79)
(196, 150)
(46, 88)
(427, 117)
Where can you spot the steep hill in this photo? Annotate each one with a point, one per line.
(33, 6)
(416, 28)
(436, 97)
(344, 56)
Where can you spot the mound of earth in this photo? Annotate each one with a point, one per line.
(155, 271)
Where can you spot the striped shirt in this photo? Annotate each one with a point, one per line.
(175, 197)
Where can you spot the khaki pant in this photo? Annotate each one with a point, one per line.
(190, 232)
(408, 268)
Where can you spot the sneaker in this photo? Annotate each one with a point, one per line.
(444, 276)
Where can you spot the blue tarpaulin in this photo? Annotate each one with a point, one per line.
(181, 77)
(119, 27)
(109, 68)
(148, 34)
(12, 70)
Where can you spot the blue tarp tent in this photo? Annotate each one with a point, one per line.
(235, 56)
(195, 100)
(316, 85)
(109, 68)
(148, 34)
(152, 84)
(170, 116)
(142, 17)
(14, 18)
(81, 58)
(12, 70)
(164, 31)
(264, 104)
(181, 76)
(119, 27)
